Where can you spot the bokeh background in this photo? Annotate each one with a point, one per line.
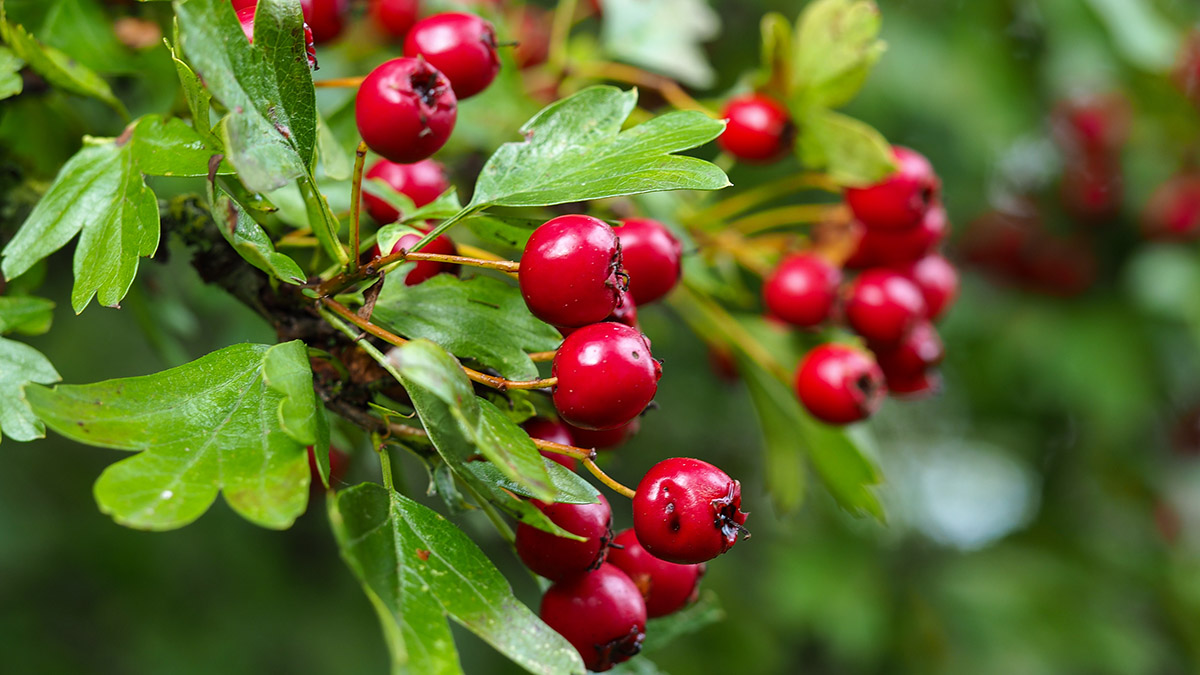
(1043, 512)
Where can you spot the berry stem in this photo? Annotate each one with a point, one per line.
(506, 266)
(339, 82)
(619, 72)
(744, 201)
(341, 282)
(606, 479)
(539, 357)
(789, 215)
(385, 461)
(360, 157)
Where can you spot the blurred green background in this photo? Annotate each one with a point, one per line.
(1043, 515)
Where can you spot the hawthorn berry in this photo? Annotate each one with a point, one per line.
(666, 586)
(1092, 189)
(604, 439)
(900, 200)
(557, 558)
(919, 351)
(327, 17)
(687, 511)
(1091, 125)
(462, 46)
(920, 385)
(405, 110)
(759, 128)
(606, 376)
(888, 247)
(601, 613)
(937, 280)
(802, 290)
(883, 304)
(422, 182)
(425, 269)
(245, 17)
(652, 258)
(555, 432)
(1173, 212)
(568, 272)
(839, 384)
(394, 17)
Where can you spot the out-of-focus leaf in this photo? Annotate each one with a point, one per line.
(1141, 33)
(662, 36)
(25, 314)
(780, 416)
(21, 365)
(835, 46)
(776, 52)
(10, 73)
(664, 630)
(851, 152)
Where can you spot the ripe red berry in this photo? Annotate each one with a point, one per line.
(759, 128)
(1091, 125)
(606, 376)
(245, 16)
(839, 384)
(687, 511)
(666, 586)
(462, 46)
(888, 247)
(422, 182)
(394, 17)
(882, 305)
(919, 386)
(652, 257)
(1092, 189)
(600, 613)
(1173, 212)
(405, 110)
(327, 17)
(604, 439)
(919, 351)
(568, 272)
(555, 432)
(938, 282)
(425, 269)
(900, 200)
(802, 290)
(557, 558)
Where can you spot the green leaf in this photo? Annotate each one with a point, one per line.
(60, 70)
(844, 467)
(851, 152)
(10, 73)
(662, 36)
(574, 150)
(481, 318)
(569, 487)
(251, 242)
(779, 416)
(338, 164)
(169, 147)
(835, 47)
(21, 365)
(237, 421)
(445, 206)
(417, 568)
(776, 52)
(664, 630)
(510, 231)
(25, 314)
(198, 99)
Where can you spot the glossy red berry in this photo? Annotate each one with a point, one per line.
(422, 182)
(568, 273)
(687, 511)
(802, 290)
(938, 282)
(759, 128)
(405, 110)
(555, 432)
(600, 613)
(900, 200)
(327, 17)
(882, 305)
(888, 247)
(462, 46)
(606, 376)
(652, 257)
(1173, 212)
(919, 351)
(426, 269)
(919, 386)
(245, 16)
(604, 439)
(666, 586)
(556, 557)
(394, 17)
(839, 384)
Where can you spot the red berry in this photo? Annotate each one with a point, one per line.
(533, 36)
(900, 200)
(918, 386)
(421, 182)
(1173, 212)
(687, 511)
(1092, 190)
(888, 247)
(405, 110)
(802, 290)
(759, 128)
(568, 272)
(556, 557)
(1091, 125)
(555, 432)
(883, 305)
(338, 463)
(666, 586)
(394, 17)
(606, 376)
(915, 355)
(462, 46)
(839, 384)
(245, 16)
(327, 17)
(426, 269)
(240, 4)
(652, 257)
(938, 282)
(600, 613)
(604, 439)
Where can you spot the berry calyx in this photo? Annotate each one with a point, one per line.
(422, 182)
(558, 558)
(900, 200)
(888, 247)
(245, 17)
(882, 305)
(604, 439)
(839, 384)
(555, 432)
(606, 376)
(687, 511)
(405, 110)
(394, 17)
(759, 128)
(802, 290)
(462, 46)
(568, 272)
(652, 257)
(938, 282)
(666, 586)
(424, 270)
(327, 17)
(601, 613)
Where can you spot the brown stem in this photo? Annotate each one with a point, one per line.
(360, 156)
(343, 281)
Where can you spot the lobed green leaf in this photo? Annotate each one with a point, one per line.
(20, 366)
(25, 314)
